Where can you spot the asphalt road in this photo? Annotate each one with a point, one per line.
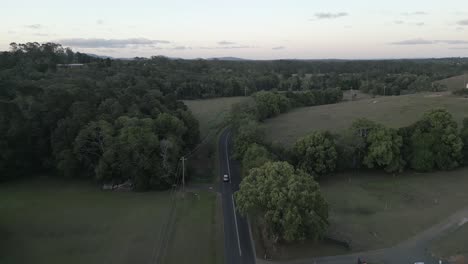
(237, 237)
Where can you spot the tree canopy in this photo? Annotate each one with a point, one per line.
(97, 121)
(436, 143)
(316, 153)
(288, 202)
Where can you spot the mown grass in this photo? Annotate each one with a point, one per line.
(456, 82)
(55, 221)
(373, 210)
(393, 111)
(198, 237)
(453, 244)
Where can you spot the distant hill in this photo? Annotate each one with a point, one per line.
(99, 56)
(228, 59)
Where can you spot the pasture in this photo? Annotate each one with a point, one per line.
(452, 246)
(456, 82)
(373, 210)
(63, 221)
(393, 111)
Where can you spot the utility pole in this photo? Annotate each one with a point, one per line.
(183, 159)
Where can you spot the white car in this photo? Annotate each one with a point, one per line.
(225, 178)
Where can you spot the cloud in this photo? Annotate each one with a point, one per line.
(417, 13)
(34, 26)
(452, 42)
(99, 21)
(420, 24)
(463, 22)
(109, 43)
(226, 43)
(228, 47)
(278, 48)
(399, 22)
(327, 15)
(41, 34)
(418, 41)
(459, 48)
(181, 48)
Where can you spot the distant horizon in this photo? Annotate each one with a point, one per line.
(301, 59)
(257, 30)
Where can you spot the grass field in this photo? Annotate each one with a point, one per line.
(195, 239)
(52, 221)
(452, 245)
(394, 111)
(376, 210)
(456, 82)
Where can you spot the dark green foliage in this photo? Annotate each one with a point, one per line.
(384, 150)
(316, 153)
(287, 201)
(464, 138)
(373, 145)
(106, 120)
(255, 157)
(351, 149)
(315, 97)
(270, 104)
(436, 143)
(247, 133)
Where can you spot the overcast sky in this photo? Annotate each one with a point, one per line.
(262, 29)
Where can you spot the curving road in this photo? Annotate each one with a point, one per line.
(238, 247)
(238, 241)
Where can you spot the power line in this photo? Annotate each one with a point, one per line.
(160, 252)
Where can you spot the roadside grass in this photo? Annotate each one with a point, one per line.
(456, 82)
(393, 111)
(373, 210)
(198, 237)
(45, 220)
(452, 245)
(211, 115)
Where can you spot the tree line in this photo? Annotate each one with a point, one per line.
(195, 79)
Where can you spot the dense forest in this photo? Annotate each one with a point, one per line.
(118, 120)
(100, 121)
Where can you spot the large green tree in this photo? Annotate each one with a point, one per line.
(255, 156)
(270, 104)
(464, 137)
(287, 201)
(247, 133)
(92, 142)
(384, 149)
(436, 143)
(316, 153)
